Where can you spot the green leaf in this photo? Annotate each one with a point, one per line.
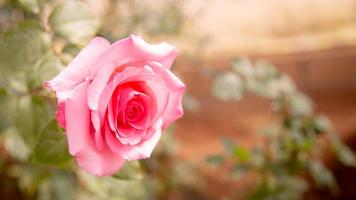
(343, 152)
(73, 21)
(15, 146)
(215, 160)
(30, 178)
(30, 5)
(20, 48)
(266, 70)
(32, 114)
(242, 154)
(346, 156)
(58, 185)
(52, 147)
(130, 171)
(7, 107)
(321, 124)
(300, 105)
(69, 51)
(322, 175)
(244, 67)
(228, 86)
(45, 69)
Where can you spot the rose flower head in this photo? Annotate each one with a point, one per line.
(115, 99)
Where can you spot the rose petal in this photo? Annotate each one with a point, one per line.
(100, 163)
(95, 119)
(163, 52)
(60, 115)
(130, 50)
(79, 69)
(135, 75)
(77, 119)
(176, 87)
(139, 151)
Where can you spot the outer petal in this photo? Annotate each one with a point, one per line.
(139, 151)
(97, 132)
(79, 69)
(77, 119)
(176, 87)
(163, 52)
(81, 144)
(123, 53)
(103, 163)
(60, 115)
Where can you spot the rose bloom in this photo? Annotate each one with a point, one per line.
(114, 100)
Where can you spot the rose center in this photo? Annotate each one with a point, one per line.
(134, 111)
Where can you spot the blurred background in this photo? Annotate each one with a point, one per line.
(312, 42)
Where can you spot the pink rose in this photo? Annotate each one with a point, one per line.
(114, 100)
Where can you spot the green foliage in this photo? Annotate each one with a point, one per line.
(322, 175)
(32, 114)
(20, 48)
(228, 86)
(30, 5)
(145, 18)
(130, 171)
(59, 185)
(7, 105)
(291, 144)
(284, 188)
(15, 145)
(44, 69)
(344, 153)
(52, 147)
(73, 21)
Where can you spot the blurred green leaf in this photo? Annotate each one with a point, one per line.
(322, 175)
(45, 69)
(215, 160)
(346, 155)
(69, 51)
(64, 186)
(343, 152)
(15, 145)
(30, 177)
(281, 86)
(20, 49)
(7, 107)
(300, 105)
(32, 114)
(22, 46)
(284, 188)
(242, 154)
(244, 67)
(60, 185)
(73, 21)
(52, 147)
(30, 5)
(321, 124)
(228, 86)
(265, 70)
(131, 170)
